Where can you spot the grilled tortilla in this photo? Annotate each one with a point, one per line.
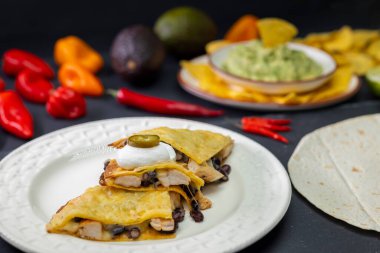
(110, 214)
(199, 146)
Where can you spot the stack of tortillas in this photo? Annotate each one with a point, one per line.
(337, 168)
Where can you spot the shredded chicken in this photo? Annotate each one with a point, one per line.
(90, 229)
(224, 153)
(175, 200)
(172, 177)
(204, 202)
(128, 181)
(162, 224)
(206, 170)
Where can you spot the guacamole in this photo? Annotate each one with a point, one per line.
(278, 63)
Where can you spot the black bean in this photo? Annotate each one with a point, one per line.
(117, 230)
(106, 162)
(178, 214)
(185, 158)
(225, 169)
(77, 219)
(196, 215)
(133, 233)
(148, 178)
(216, 162)
(195, 205)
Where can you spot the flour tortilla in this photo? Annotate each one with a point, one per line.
(337, 168)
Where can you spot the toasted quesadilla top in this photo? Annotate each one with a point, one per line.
(199, 145)
(110, 205)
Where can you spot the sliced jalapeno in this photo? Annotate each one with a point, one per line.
(143, 141)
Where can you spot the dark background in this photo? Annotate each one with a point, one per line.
(35, 26)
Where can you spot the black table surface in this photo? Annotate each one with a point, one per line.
(304, 228)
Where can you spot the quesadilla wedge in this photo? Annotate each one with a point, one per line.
(110, 214)
(203, 152)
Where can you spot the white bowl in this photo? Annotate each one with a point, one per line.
(278, 87)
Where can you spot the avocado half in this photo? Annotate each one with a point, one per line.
(137, 54)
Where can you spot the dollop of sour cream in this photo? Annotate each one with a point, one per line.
(130, 157)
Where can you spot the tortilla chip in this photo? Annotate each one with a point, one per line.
(359, 62)
(374, 49)
(340, 41)
(276, 31)
(362, 38)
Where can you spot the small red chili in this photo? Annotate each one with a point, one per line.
(33, 87)
(14, 116)
(266, 120)
(2, 85)
(160, 105)
(265, 132)
(278, 128)
(16, 60)
(66, 103)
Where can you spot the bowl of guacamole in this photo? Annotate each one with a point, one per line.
(286, 68)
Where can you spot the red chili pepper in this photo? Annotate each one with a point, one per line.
(266, 120)
(2, 85)
(66, 103)
(33, 87)
(279, 128)
(160, 105)
(16, 60)
(14, 116)
(265, 132)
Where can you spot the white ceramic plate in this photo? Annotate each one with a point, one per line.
(40, 176)
(190, 84)
(279, 87)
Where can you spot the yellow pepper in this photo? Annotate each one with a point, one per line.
(72, 49)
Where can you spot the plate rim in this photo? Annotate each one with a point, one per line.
(284, 175)
(264, 106)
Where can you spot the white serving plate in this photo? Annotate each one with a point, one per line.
(190, 84)
(40, 176)
(279, 87)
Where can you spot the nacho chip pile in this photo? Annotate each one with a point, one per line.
(210, 83)
(357, 48)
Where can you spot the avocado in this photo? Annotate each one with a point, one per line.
(185, 30)
(137, 54)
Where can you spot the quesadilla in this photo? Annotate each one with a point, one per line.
(110, 214)
(203, 152)
(163, 176)
(337, 169)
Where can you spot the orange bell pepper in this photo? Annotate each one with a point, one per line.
(72, 49)
(245, 28)
(79, 79)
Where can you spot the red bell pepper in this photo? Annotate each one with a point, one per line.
(16, 60)
(33, 87)
(66, 103)
(14, 116)
(2, 85)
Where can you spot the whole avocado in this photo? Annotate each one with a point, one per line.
(185, 30)
(137, 54)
